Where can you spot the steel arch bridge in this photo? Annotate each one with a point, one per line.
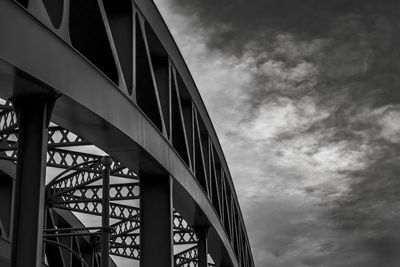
(99, 112)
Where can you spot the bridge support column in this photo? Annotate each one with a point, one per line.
(33, 114)
(105, 223)
(156, 246)
(202, 232)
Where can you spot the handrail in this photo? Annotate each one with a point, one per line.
(74, 253)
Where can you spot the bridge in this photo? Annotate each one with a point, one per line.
(107, 151)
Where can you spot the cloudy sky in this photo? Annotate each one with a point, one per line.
(305, 99)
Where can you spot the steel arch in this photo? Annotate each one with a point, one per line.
(127, 91)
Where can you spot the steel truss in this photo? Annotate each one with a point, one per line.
(75, 190)
(93, 54)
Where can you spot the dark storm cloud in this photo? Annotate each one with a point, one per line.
(312, 90)
(233, 23)
(371, 214)
(353, 44)
(356, 45)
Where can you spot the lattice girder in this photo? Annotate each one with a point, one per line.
(125, 191)
(185, 237)
(124, 227)
(125, 252)
(117, 211)
(186, 257)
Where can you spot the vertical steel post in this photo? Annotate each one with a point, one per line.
(202, 246)
(33, 113)
(106, 161)
(156, 246)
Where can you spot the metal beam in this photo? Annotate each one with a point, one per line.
(186, 257)
(131, 139)
(202, 247)
(156, 221)
(33, 113)
(117, 211)
(125, 191)
(105, 220)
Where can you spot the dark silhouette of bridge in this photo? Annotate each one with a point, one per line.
(100, 116)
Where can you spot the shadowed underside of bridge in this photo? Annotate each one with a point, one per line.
(106, 148)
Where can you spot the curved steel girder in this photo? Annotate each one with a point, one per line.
(123, 130)
(155, 20)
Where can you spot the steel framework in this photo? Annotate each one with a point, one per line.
(106, 148)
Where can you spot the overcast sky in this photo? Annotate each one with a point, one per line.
(305, 99)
